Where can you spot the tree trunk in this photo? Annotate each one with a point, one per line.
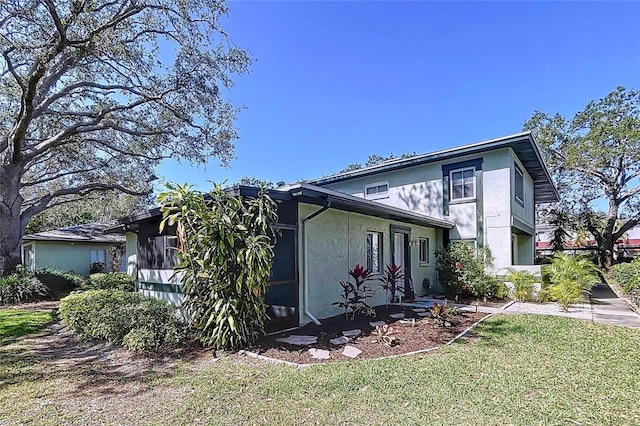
(606, 248)
(11, 226)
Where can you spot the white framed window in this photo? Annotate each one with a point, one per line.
(98, 256)
(374, 252)
(376, 191)
(519, 185)
(423, 247)
(462, 184)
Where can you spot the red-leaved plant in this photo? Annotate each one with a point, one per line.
(389, 282)
(354, 295)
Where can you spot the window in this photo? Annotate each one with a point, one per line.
(376, 191)
(374, 252)
(423, 245)
(519, 189)
(28, 259)
(463, 183)
(98, 257)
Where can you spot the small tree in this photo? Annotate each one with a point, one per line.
(225, 246)
(389, 282)
(463, 268)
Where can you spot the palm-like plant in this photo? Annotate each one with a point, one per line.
(571, 277)
(389, 281)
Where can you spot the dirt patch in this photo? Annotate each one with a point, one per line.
(413, 333)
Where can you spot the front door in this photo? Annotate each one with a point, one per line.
(401, 256)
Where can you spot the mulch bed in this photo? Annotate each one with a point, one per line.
(423, 335)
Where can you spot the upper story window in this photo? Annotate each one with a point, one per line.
(376, 191)
(519, 188)
(463, 183)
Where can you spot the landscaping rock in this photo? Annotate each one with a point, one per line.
(352, 333)
(418, 310)
(298, 340)
(351, 351)
(397, 316)
(375, 324)
(339, 340)
(319, 353)
(424, 314)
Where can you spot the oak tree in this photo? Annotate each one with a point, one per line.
(95, 93)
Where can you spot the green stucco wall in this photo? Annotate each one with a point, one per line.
(66, 256)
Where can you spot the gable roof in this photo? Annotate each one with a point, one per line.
(87, 233)
(521, 143)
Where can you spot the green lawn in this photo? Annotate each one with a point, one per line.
(16, 323)
(523, 370)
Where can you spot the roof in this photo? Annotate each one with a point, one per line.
(522, 144)
(88, 233)
(318, 195)
(312, 194)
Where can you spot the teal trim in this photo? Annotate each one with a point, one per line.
(522, 226)
(167, 288)
(445, 194)
(479, 210)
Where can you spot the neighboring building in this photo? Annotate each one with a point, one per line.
(74, 248)
(397, 212)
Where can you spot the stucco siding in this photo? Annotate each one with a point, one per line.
(66, 256)
(334, 242)
(131, 250)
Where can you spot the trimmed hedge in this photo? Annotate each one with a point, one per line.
(628, 275)
(111, 281)
(59, 283)
(129, 319)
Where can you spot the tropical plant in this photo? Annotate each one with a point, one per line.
(225, 247)
(389, 282)
(523, 285)
(442, 313)
(570, 277)
(384, 334)
(354, 295)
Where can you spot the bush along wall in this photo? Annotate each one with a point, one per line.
(111, 281)
(225, 244)
(628, 275)
(123, 318)
(20, 287)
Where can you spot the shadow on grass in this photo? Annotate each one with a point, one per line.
(496, 330)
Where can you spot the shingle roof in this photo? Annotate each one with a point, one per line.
(90, 233)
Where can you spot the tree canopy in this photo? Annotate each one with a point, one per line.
(375, 159)
(95, 93)
(596, 156)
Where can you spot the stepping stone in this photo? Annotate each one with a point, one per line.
(339, 340)
(418, 310)
(424, 314)
(299, 340)
(411, 321)
(351, 351)
(397, 316)
(319, 353)
(352, 333)
(375, 324)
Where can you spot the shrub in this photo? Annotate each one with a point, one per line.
(123, 318)
(59, 283)
(570, 277)
(225, 247)
(628, 275)
(463, 268)
(354, 296)
(523, 285)
(442, 314)
(19, 287)
(112, 281)
(389, 281)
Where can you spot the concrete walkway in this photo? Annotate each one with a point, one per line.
(604, 306)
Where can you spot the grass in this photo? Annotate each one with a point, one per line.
(523, 370)
(16, 323)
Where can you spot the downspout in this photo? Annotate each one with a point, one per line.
(305, 280)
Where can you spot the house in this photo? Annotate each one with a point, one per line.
(74, 248)
(397, 212)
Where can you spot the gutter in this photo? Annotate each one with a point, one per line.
(305, 280)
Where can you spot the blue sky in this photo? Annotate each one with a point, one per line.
(334, 82)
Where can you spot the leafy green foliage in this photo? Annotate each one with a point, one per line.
(123, 318)
(570, 277)
(59, 283)
(463, 268)
(392, 275)
(354, 295)
(442, 313)
(596, 155)
(225, 244)
(111, 281)
(628, 275)
(375, 159)
(523, 285)
(21, 286)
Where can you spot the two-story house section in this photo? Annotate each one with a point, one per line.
(489, 190)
